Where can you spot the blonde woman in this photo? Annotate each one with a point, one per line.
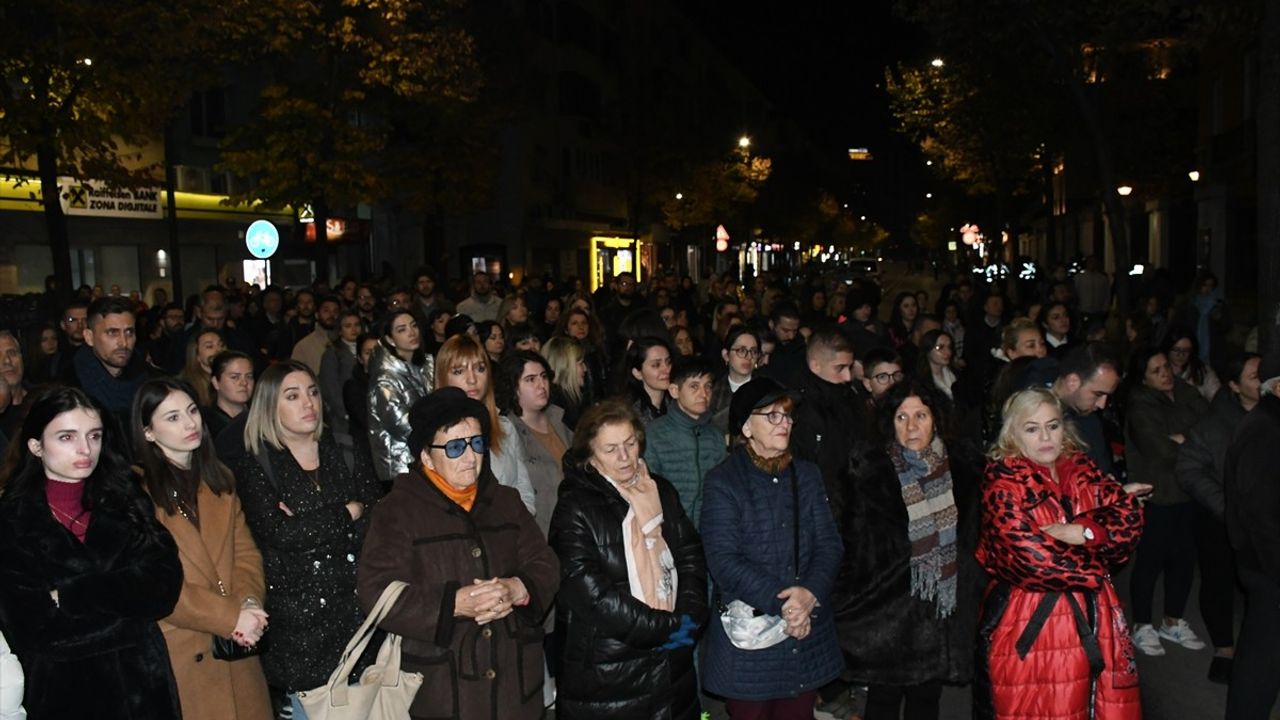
(464, 364)
(308, 513)
(569, 377)
(1053, 638)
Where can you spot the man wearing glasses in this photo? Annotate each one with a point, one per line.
(883, 369)
(71, 324)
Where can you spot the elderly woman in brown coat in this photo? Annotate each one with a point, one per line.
(481, 576)
(223, 586)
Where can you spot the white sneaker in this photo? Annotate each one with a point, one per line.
(1147, 640)
(1182, 634)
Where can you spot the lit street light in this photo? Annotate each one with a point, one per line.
(928, 196)
(1124, 190)
(744, 142)
(1194, 175)
(679, 196)
(937, 62)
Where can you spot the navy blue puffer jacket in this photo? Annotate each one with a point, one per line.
(748, 537)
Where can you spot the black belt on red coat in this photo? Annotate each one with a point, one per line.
(1085, 629)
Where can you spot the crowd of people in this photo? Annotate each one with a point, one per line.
(786, 494)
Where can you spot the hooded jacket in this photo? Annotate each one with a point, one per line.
(612, 664)
(394, 386)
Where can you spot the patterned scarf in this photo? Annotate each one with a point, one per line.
(925, 478)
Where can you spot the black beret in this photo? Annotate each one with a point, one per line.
(760, 392)
(443, 408)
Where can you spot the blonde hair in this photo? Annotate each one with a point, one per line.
(262, 419)
(1009, 338)
(1016, 409)
(563, 355)
(458, 351)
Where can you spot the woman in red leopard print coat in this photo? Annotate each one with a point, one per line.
(1052, 640)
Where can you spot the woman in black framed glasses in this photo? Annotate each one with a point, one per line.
(481, 577)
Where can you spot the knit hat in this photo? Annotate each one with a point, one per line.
(443, 408)
(758, 393)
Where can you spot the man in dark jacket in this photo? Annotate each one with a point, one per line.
(1253, 522)
(1201, 460)
(683, 445)
(787, 361)
(1087, 378)
(829, 417)
(105, 366)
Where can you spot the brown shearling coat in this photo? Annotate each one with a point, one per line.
(222, 548)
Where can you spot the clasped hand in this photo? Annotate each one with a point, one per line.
(250, 626)
(797, 610)
(487, 600)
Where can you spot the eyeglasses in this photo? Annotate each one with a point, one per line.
(454, 448)
(884, 378)
(1175, 350)
(745, 352)
(776, 417)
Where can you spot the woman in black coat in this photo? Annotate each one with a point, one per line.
(626, 618)
(907, 594)
(85, 570)
(308, 513)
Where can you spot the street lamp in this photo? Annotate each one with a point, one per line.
(1194, 175)
(1124, 190)
(744, 142)
(937, 62)
(679, 196)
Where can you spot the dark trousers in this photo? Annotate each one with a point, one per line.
(796, 708)
(912, 702)
(1167, 546)
(1217, 578)
(1255, 681)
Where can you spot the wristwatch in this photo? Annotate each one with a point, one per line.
(1088, 534)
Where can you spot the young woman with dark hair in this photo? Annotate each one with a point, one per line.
(85, 569)
(223, 586)
(646, 368)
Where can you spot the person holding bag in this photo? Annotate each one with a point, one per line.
(480, 575)
(213, 632)
(772, 547)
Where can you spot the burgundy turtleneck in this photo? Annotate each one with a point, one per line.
(67, 507)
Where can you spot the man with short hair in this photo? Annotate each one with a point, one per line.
(830, 415)
(303, 321)
(683, 445)
(270, 329)
(71, 324)
(713, 337)
(310, 349)
(1253, 523)
(426, 299)
(482, 304)
(882, 369)
(106, 366)
(367, 304)
(787, 361)
(1087, 378)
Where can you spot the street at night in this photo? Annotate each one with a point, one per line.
(639, 360)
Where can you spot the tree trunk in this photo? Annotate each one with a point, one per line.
(170, 188)
(320, 253)
(1268, 128)
(55, 220)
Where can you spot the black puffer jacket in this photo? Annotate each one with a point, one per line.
(612, 663)
(829, 420)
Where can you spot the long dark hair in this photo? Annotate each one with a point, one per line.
(895, 314)
(160, 476)
(1195, 366)
(384, 326)
(23, 475)
(928, 396)
(627, 383)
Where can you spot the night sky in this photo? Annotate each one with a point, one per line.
(822, 63)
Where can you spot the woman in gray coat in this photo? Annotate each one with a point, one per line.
(524, 398)
(400, 374)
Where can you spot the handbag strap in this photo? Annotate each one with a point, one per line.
(795, 516)
(360, 641)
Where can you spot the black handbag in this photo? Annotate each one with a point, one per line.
(230, 650)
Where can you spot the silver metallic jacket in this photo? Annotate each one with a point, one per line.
(394, 386)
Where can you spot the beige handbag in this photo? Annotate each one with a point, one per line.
(384, 692)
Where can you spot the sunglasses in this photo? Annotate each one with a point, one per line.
(454, 448)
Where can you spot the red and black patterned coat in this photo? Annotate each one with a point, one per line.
(1053, 641)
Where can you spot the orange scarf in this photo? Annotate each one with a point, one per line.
(463, 498)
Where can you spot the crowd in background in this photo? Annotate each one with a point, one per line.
(589, 484)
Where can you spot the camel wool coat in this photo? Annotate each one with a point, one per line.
(220, 549)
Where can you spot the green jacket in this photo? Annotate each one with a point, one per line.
(682, 450)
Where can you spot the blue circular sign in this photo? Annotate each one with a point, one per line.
(262, 238)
